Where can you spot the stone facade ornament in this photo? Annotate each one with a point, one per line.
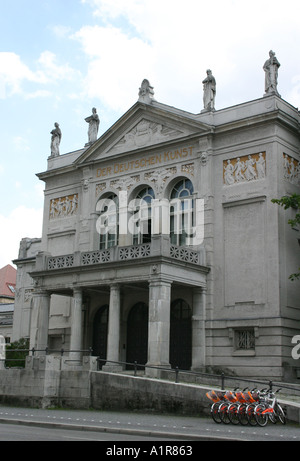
(146, 92)
(291, 169)
(94, 122)
(271, 67)
(144, 133)
(209, 91)
(55, 140)
(63, 206)
(246, 168)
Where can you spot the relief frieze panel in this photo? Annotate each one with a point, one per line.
(63, 207)
(291, 169)
(244, 169)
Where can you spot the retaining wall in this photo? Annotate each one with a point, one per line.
(48, 381)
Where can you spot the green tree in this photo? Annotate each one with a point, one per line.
(292, 201)
(16, 353)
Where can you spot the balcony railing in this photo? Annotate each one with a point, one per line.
(126, 253)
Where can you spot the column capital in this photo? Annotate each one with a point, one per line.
(160, 281)
(200, 290)
(41, 292)
(77, 291)
(115, 286)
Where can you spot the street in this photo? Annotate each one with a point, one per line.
(62, 424)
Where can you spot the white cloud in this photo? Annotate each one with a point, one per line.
(21, 144)
(14, 73)
(177, 41)
(61, 31)
(51, 70)
(21, 222)
(115, 60)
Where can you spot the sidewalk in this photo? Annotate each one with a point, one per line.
(159, 426)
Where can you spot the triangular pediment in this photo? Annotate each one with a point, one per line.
(143, 126)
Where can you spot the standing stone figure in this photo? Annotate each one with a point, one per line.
(209, 91)
(94, 122)
(55, 140)
(271, 67)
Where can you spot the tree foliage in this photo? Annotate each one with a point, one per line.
(16, 353)
(292, 201)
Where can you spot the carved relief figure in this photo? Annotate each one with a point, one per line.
(94, 122)
(261, 167)
(209, 91)
(55, 140)
(239, 167)
(250, 172)
(228, 173)
(271, 67)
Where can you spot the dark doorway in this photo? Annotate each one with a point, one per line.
(181, 335)
(100, 334)
(137, 335)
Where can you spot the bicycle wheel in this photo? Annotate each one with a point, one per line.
(243, 419)
(223, 410)
(233, 413)
(262, 419)
(280, 413)
(214, 411)
(251, 415)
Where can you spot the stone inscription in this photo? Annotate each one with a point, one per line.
(63, 206)
(144, 162)
(243, 169)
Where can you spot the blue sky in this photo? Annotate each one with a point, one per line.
(60, 58)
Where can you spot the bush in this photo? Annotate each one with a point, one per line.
(16, 353)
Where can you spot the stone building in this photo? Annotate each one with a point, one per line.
(160, 243)
(7, 297)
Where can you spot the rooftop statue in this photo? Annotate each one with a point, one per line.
(209, 91)
(55, 140)
(146, 92)
(271, 67)
(94, 122)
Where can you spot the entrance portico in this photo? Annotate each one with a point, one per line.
(154, 280)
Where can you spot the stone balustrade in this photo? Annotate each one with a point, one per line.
(158, 247)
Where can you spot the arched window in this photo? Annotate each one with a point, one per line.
(108, 221)
(141, 220)
(181, 212)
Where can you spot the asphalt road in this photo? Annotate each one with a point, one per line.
(36, 424)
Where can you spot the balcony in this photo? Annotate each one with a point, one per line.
(159, 246)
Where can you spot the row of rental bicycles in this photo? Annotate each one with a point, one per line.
(253, 407)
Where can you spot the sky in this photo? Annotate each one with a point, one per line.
(60, 58)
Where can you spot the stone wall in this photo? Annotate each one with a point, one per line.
(50, 381)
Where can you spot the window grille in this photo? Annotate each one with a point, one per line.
(245, 339)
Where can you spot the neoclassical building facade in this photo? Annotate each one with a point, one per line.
(161, 245)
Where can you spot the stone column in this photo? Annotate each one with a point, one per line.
(198, 329)
(113, 337)
(40, 326)
(76, 326)
(159, 326)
